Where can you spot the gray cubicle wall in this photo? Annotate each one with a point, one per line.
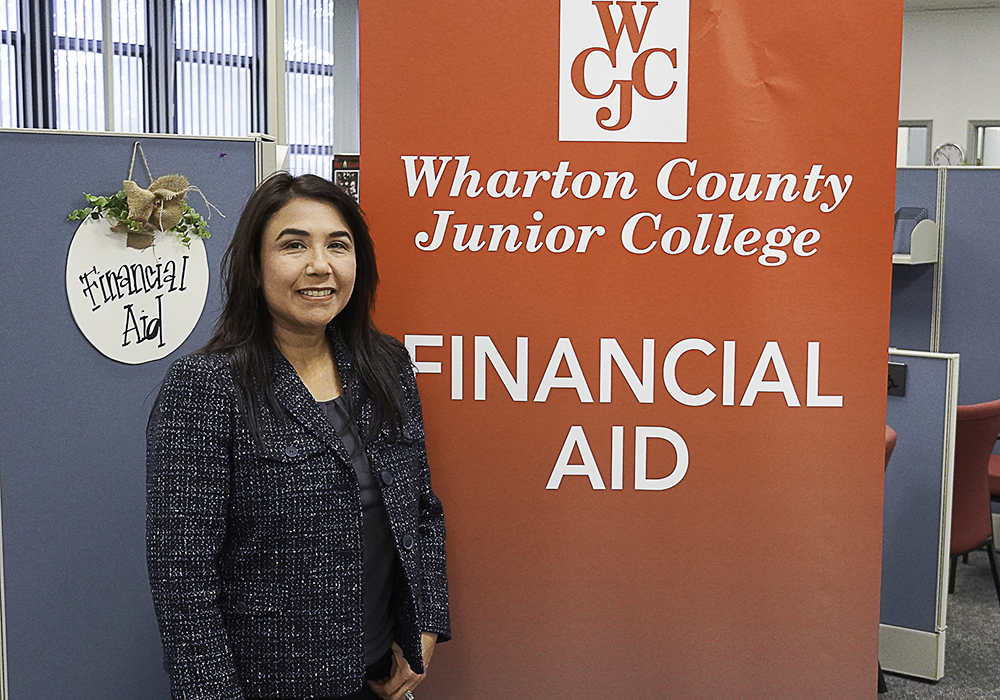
(917, 516)
(970, 287)
(79, 618)
(913, 285)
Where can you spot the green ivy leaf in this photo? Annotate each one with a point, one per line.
(115, 207)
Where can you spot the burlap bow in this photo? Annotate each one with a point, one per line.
(159, 208)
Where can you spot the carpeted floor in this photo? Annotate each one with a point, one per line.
(972, 651)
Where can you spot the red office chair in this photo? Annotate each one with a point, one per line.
(976, 431)
(994, 472)
(994, 477)
(890, 445)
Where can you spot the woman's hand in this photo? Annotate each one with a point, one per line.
(402, 679)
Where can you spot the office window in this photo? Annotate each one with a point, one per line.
(87, 97)
(984, 142)
(128, 32)
(171, 66)
(309, 85)
(989, 142)
(194, 67)
(79, 66)
(913, 143)
(9, 39)
(216, 43)
(8, 98)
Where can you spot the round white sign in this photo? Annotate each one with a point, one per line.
(133, 305)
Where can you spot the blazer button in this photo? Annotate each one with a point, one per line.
(292, 451)
(407, 542)
(241, 608)
(387, 477)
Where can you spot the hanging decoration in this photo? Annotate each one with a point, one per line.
(138, 297)
(139, 212)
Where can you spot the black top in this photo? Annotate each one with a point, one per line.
(376, 536)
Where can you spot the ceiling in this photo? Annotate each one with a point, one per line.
(925, 5)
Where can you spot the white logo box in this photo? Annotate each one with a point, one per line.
(655, 76)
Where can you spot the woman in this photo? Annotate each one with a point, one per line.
(295, 547)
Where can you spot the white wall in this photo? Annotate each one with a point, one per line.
(950, 70)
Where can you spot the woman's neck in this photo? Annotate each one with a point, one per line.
(312, 358)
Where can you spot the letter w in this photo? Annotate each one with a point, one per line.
(613, 34)
(427, 173)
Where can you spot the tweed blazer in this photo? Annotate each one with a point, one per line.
(254, 549)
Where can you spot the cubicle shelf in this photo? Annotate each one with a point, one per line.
(901, 259)
(923, 245)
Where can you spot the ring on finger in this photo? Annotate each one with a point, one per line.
(409, 695)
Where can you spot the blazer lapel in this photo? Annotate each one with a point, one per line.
(296, 399)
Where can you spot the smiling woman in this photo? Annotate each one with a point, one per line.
(295, 547)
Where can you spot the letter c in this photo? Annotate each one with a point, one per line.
(628, 231)
(670, 372)
(577, 73)
(639, 73)
(663, 178)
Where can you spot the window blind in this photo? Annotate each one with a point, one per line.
(9, 43)
(191, 67)
(215, 42)
(309, 85)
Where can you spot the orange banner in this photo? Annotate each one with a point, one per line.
(640, 252)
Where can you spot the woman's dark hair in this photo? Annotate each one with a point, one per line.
(244, 329)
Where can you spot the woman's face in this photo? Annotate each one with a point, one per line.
(308, 266)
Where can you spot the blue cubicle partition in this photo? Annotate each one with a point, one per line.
(911, 317)
(970, 286)
(78, 612)
(917, 516)
(917, 187)
(965, 322)
(968, 209)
